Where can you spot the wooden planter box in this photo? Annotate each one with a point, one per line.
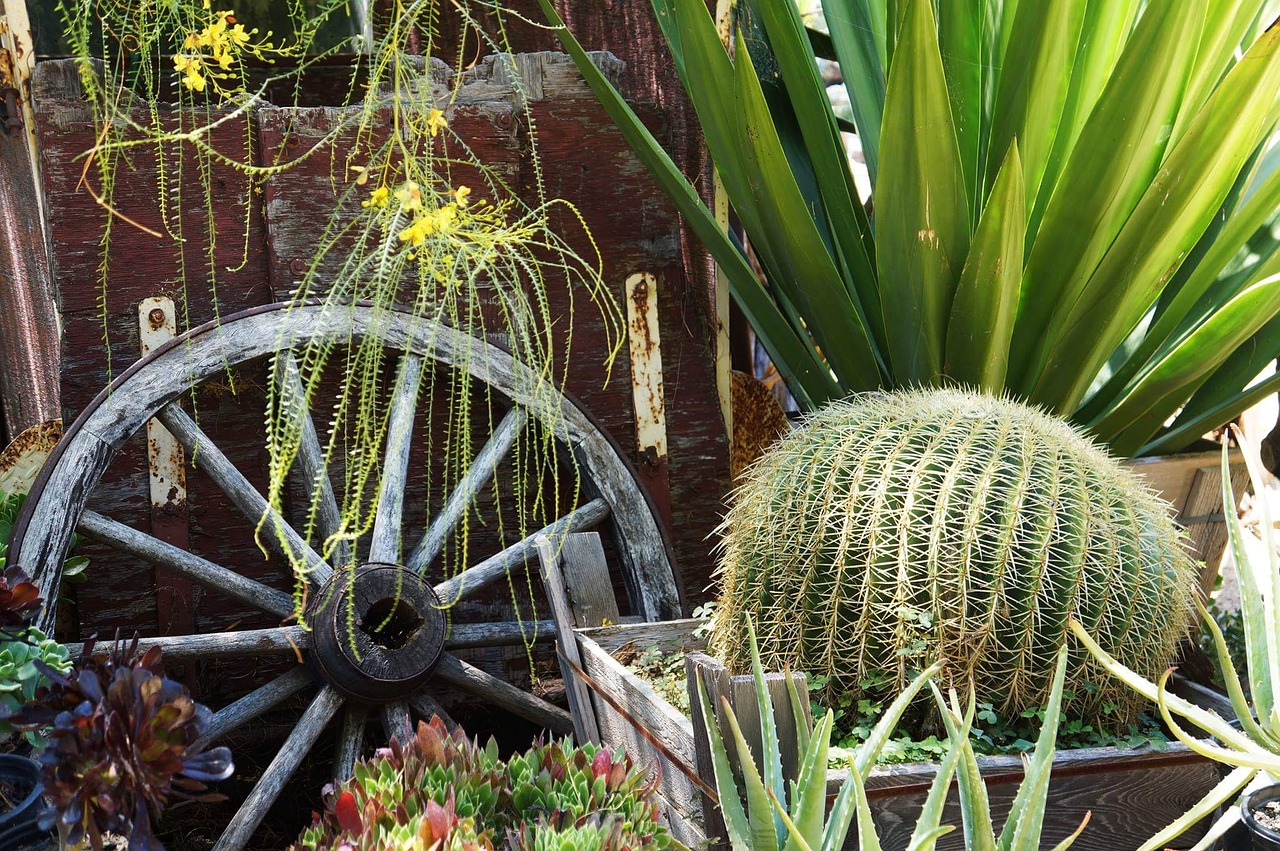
(1131, 794)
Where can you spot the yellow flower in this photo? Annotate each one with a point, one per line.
(362, 174)
(460, 196)
(410, 197)
(239, 36)
(377, 198)
(417, 233)
(190, 67)
(436, 121)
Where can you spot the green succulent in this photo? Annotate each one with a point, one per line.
(19, 676)
(443, 787)
(893, 530)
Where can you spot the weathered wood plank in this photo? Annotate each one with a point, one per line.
(285, 640)
(666, 636)
(478, 476)
(286, 762)
(311, 457)
(350, 741)
(257, 703)
(208, 457)
(497, 566)
(185, 564)
(649, 711)
(454, 671)
(384, 546)
(395, 720)
(585, 572)
(499, 634)
(428, 707)
(585, 728)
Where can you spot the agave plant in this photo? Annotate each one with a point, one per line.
(1058, 192)
(1253, 748)
(772, 821)
(123, 740)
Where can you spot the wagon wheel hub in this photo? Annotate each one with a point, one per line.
(378, 632)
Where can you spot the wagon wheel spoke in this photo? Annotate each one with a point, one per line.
(501, 693)
(256, 703)
(499, 634)
(425, 704)
(395, 720)
(278, 641)
(481, 473)
(177, 560)
(286, 762)
(384, 546)
(350, 741)
(311, 460)
(495, 567)
(253, 505)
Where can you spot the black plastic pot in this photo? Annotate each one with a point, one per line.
(18, 826)
(1264, 838)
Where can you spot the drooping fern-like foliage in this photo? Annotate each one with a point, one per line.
(895, 530)
(419, 223)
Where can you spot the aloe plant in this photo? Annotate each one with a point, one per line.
(1059, 196)
(789, 815)
(1253, 749)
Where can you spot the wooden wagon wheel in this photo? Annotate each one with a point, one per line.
(378, 680)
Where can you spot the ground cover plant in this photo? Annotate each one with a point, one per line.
(442, 787)
(1063, 202)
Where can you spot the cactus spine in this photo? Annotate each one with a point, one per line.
(896, 529)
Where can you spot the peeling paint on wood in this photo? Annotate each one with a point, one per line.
(646, 367)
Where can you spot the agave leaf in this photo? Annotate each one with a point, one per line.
(1187, 429)
(1120, 147)
(799, 717)
(922, 221)
(851, 801)
(1268, 583)
(961, 26)
(805, 269)
(1103, 32)
(1218, 830)
(1206, 720)
(926, 830)
(869, 751)
(1026, 816)
(929, 840)
(761, 816)
(854, 38)
(795, 839)
(1162, 387)
(1034, 79)
(1225, 26)
(986, 301)
(735, 817)
(809, 380)
(1175, 209)
(771, 752)
(811, 805)
(1220, 794)
(1237, 234)
(1244, 712)
(1251, 757)
(850, 228)
(975, 806)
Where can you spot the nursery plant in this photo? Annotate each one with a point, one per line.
(1253, 748)
(442, 787)
(21, 647)
(891, 530)
(123, 740)
(789, 813)
(1063, 204)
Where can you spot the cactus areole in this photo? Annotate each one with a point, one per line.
(895, 529)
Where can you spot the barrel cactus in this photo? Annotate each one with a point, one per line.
(895, 529)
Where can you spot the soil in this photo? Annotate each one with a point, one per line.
(1268, 815)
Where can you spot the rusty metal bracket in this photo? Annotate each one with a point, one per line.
(17, 63)
(166, 464)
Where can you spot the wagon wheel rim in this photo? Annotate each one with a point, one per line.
(57, 505)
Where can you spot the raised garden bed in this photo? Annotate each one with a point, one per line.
(1129, 793)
